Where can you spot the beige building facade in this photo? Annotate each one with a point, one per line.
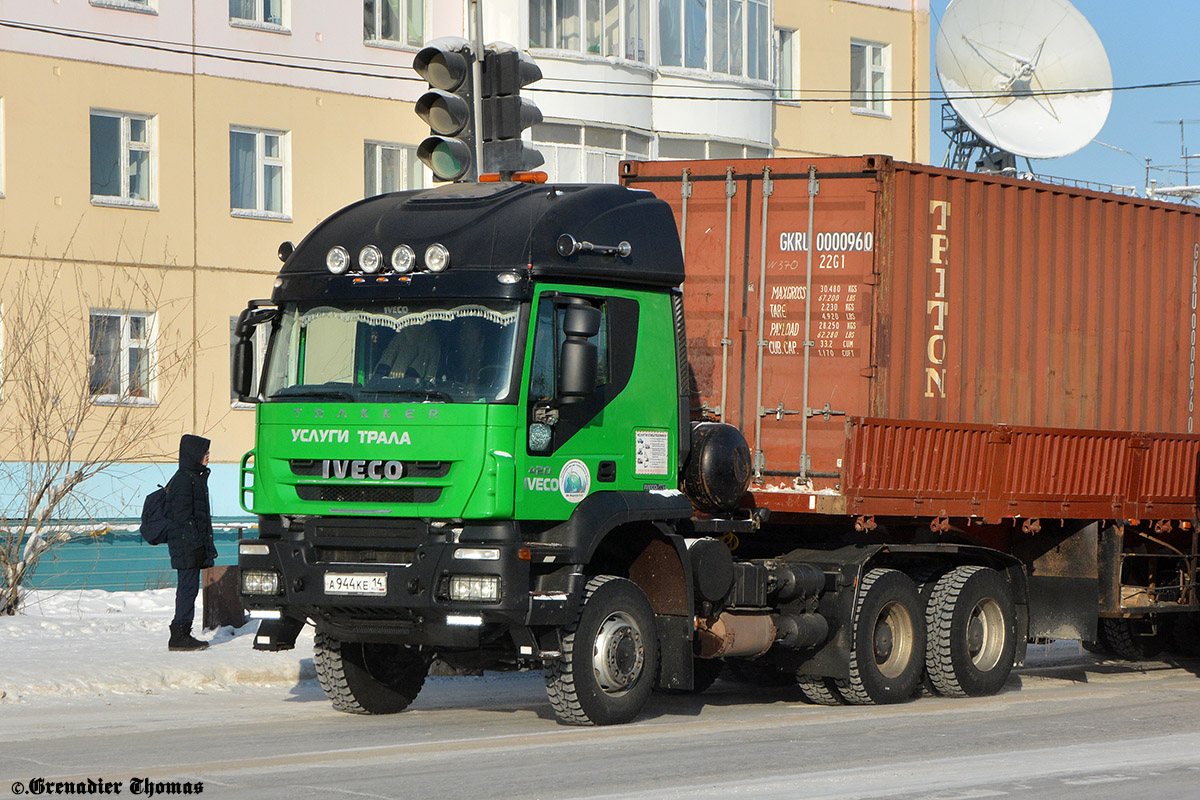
(155, 153)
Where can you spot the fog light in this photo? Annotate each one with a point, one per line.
(337, 260)
(437, 258)
(260, 582)
(403, 259)
(370, 259)
(247, 549)
(475, 588)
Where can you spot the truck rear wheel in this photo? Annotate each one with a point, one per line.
(609, 656)
(1132, 639)
(819, 691)
(368, 677)
(887, 649)
(1185, 634)
(972, 632)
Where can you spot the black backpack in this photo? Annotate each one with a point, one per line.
(154, 517)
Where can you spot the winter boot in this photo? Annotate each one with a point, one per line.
(182, 639)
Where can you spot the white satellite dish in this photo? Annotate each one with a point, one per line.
(1028, 76)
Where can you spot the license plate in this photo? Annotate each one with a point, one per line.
(341, 583)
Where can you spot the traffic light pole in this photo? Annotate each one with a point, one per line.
(477, 68)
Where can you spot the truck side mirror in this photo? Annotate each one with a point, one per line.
(579, 358)
(243, 370)
(258, 312)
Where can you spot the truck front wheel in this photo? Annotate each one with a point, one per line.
(887, 648)
(609, 656)
(368, 677)
(972, 634)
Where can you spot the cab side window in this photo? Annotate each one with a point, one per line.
(547, 347)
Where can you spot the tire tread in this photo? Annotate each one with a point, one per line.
(560, 673)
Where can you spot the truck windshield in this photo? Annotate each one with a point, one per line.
(427, 350)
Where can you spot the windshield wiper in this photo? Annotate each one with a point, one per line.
(302, 391)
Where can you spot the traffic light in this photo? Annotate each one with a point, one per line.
(505, 113)
(447, 107)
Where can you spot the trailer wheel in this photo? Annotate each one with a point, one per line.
(887, 647)
(1132, 639)
(926, 577)
(1185, 634)
(819, 691)
(368, 678)
(972, 632)
(609, 656)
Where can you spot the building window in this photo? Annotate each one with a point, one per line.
(592, 154)
(122, 158)
(265, 14)
(787, 65)
(258, 173)
(731, 37)
(678, 148)
(391, 168)
(143, 6)
(120, 367)
(258, 346)
(605, 28)
(398, 21)
(869, 77)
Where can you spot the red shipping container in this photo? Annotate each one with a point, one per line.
(940, 297)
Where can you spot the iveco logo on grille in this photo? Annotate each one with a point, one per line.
(363, 470)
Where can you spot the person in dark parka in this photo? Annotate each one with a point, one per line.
(190, 536)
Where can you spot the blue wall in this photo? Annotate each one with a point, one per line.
(121, 561)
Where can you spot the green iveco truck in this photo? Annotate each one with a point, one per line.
(481, 438)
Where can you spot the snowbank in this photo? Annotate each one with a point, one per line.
(93, 642)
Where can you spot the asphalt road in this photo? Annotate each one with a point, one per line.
(1082, 728)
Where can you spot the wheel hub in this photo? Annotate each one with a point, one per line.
(986, 634)
(618, 655)
(893, 639)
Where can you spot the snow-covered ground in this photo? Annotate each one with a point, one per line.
(93, 642)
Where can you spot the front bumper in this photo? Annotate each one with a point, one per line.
(414, 562)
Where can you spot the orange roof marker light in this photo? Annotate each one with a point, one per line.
(519, 177)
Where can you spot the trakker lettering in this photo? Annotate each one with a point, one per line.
(361, 470)
(367, 413)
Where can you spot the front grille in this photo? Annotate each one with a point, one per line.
(343, 493)
(338, 555)
(311, 468)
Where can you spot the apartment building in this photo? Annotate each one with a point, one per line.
(155, 153)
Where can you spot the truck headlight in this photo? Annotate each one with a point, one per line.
(260, 582)
(475, 588)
